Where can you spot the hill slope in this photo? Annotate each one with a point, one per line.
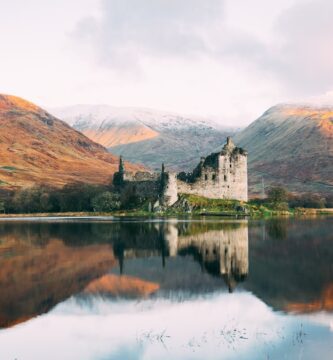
(147, 136)
(291, 145)
(36, 148)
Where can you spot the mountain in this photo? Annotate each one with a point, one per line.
(147, 136)
(291, 145)
(36, 148)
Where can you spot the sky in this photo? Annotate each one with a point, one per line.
(226, 59)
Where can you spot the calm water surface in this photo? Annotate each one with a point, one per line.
(172, 289)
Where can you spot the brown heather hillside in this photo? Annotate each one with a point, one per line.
(36, 148)
(291, 145)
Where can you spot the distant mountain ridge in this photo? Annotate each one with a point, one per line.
(37, 148)
(291, 145)
(147, 136)
(109, 126)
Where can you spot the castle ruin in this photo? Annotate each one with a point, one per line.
(222, 252)
(221, 175)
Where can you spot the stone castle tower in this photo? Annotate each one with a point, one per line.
(221, 175)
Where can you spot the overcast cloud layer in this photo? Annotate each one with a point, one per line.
(229, 59)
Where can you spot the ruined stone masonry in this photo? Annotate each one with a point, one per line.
(222, 252)
(221, 175)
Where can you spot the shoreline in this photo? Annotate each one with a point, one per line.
(110, 216)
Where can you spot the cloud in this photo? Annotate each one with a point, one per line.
(224, 57)
(298, 51)
(129, 29)
(304, 51)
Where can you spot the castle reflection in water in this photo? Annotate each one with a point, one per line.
(220, 252)
(44, 263)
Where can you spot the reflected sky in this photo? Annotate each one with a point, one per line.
(239, 326)
(180, 290)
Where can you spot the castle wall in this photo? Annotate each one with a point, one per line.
(141, 176)
(170, 190)
(146, 188)
(227, 181)
(220, 175)
(233, 176)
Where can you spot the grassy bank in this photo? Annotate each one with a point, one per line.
(303, 211)
(215, 207)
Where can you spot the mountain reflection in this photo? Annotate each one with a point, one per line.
(291, 263)
(286, 263)
(43, 264)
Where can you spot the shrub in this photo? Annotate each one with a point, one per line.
(278, 206)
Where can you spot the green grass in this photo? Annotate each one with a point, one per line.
(3, 183)
(8, 168)
(203, 206)
(199, 202)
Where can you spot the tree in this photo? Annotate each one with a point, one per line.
(106, 201)
(314, 201)
(78, 196)
(2, 206)
(27, 200)
(129, 198)
(329, 201)
(32, 200)
(308, 200)
(118, 177)
(277, 194)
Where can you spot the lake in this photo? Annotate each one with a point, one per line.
(208, 288)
